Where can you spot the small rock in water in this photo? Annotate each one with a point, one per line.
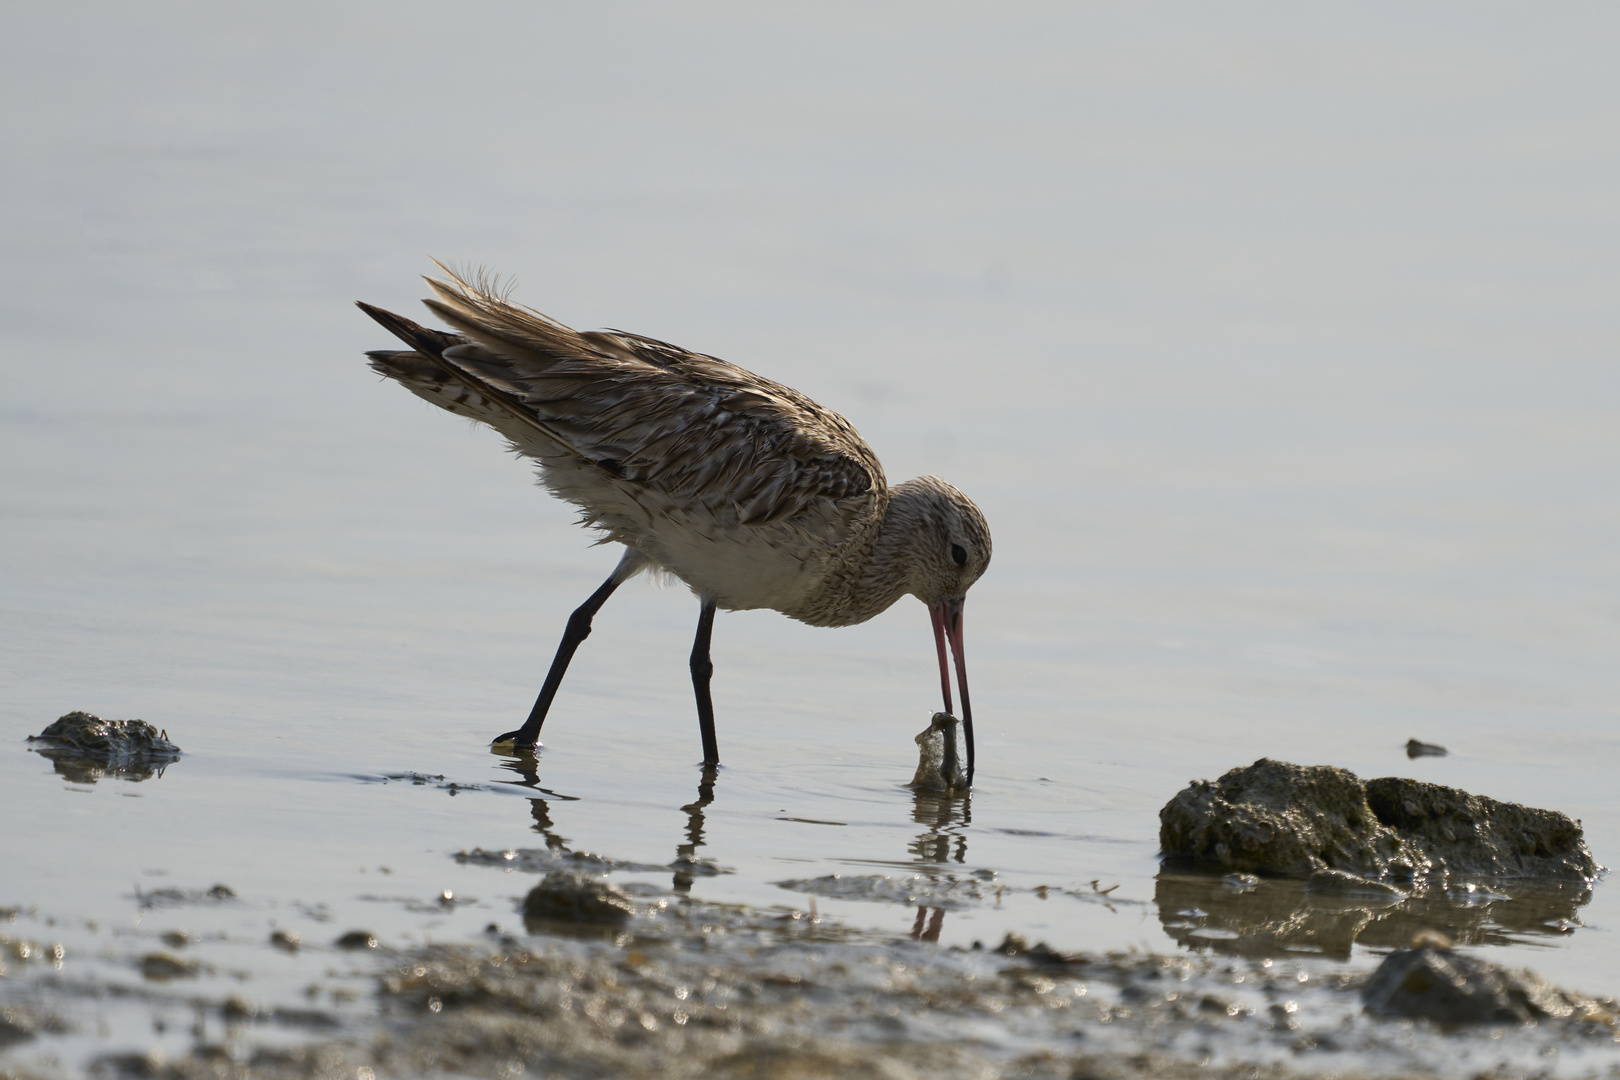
(84, 747)
(939, 763)
(1415, 749)
(1451, 988)
(565, 896)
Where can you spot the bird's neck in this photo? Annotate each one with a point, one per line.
(874, 569)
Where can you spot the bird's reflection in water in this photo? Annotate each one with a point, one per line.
(527, 766)
(686, 866)
(686, 854)
(943, 842)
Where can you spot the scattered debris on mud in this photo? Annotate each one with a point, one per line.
(937, 890)
(642, 981)
(691, 989)
(172, 897)
(939, 761)
(1297, 820)
(422, 780)
(85, 748)
(545, 860)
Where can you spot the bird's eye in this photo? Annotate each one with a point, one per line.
(959, 554)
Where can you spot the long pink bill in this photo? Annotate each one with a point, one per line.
(936, 615)
(947, 620)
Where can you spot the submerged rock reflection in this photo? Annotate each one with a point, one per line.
(1240, 915)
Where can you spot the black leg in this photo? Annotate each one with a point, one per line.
(579, 628)
(702, 671)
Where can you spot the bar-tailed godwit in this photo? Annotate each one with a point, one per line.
(749, 492)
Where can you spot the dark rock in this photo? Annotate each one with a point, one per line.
(357, 939)
(15, 1026)
(161, 967)
(1273, 817)
(563, 896)
(84, 748)
(130, 1066)
(237, 1009)
(108, 740)
(1454, 988)
(1415, 749)
(286, 940)
(1480, 837)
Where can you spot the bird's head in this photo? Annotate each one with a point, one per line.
(947, 544)
(948, 547)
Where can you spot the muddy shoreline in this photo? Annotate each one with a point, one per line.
(681, 987)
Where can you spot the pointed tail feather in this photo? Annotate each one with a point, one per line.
(450, 384)
(418, 337)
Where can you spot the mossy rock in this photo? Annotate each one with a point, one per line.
(1277, 818)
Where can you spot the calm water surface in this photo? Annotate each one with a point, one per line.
(1278, 349)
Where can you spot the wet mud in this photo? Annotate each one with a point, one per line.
(682, 988)
(582, 975)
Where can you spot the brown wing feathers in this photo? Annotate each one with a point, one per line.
(644, 410)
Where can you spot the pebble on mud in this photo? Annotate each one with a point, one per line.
(939, 762)
(357, 939)
(1432, 982)
(1273, 817)
(564, 896)
(1416, 749)
(161, 967)
(286, 940)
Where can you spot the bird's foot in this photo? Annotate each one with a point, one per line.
(517, 741)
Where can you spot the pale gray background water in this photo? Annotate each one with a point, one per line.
(1278, 346)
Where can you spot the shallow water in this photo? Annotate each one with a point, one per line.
(1277, 347)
